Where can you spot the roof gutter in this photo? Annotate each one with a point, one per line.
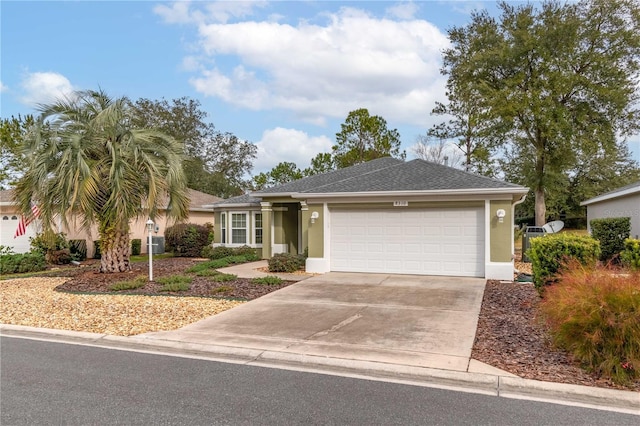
(494, 191)
(605, 197)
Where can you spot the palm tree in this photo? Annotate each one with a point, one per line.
(86, 161)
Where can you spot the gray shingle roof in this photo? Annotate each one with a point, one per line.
(311, 183)
(390, 174)
(240, 199)
(634, 187)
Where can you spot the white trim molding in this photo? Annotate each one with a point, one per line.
(502, 271)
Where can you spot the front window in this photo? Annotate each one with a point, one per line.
(223, 228)
(238, 228)
(258, 228)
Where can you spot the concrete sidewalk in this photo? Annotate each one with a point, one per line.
(250, 270)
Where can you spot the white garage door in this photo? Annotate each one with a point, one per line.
(439, 241)
(8, 226)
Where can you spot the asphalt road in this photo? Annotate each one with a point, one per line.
(55, 383)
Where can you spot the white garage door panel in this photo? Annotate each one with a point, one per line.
(8, 226)
(425, 241)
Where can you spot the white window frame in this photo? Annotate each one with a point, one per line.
(223, 228)
(256, 228)
(246, 228)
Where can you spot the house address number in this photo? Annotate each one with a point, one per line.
(400, 203)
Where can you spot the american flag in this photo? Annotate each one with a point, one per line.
(25, 221)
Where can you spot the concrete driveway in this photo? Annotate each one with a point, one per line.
(423, 321)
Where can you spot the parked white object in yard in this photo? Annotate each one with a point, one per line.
(553, 227)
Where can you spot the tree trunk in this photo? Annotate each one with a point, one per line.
(114, 249)
(541, 207)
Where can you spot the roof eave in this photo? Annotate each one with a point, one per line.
(488, 191)
(629, 191)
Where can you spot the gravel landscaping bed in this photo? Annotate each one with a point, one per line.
(79, 299)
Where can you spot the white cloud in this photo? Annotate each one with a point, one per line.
(321, 71)
(404, 10)
(279, 144)
(181, 12)
(3, 88)
(44, 87)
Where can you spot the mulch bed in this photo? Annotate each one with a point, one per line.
(87, 279)
(511, 337)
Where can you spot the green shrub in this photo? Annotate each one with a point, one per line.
(224, 277)
(595, 315)
(550, 252)
(187, 239)
(6, 250)
(631, 254)
(268, 280)
(207, 273)
(136, 246)
(219, 252)
(137, 282)
(246, 251)
(78, 249)
(22, 263)
(611, 232)
(175, 283)
(285, 262)
(54, 246)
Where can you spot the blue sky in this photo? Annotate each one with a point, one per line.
(283, 75)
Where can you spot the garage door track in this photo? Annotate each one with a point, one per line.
(423, 321)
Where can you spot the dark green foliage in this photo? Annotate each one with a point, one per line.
(246, 251)
(21, 263)
(221, 252)
(217, 252)
(187, 239)
(175, 283)
(48, 241)
(78, 249)
(594, 315)
(96, 249)
(137, 282)
(268, 280)
(611, 232)
(550, 252)
(285, 262)
(631, 254)
(136, 245)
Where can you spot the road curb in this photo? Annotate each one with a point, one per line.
(482, 383)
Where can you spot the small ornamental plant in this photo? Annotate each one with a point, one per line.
(594, 314)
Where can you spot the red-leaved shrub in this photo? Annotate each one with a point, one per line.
(594, 313)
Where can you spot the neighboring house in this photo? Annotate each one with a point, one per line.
(386, 216)
(9, 217)
(622, 202)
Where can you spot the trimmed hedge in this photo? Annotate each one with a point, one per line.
(221, 252)
(631, 254)
(286, 262)
(187, 239)
(611, 232)
(549, 253)
(21, 263)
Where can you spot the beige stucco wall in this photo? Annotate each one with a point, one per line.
(628, 206)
